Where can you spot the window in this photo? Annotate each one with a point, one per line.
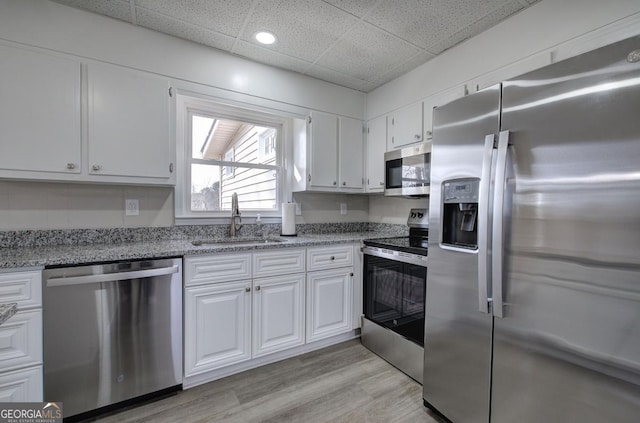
(227, 150)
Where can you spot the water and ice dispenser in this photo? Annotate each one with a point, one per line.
(460, 213)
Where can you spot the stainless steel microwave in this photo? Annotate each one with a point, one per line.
(408, 171)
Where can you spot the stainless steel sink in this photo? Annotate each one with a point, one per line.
(236, 241)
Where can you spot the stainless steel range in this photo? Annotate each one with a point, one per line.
(394, 277)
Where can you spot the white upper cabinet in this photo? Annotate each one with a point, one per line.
(66, 120)
(328, 154)
(351, 143)
(40, 114)
(323, 150)
(404, 126)
(436, 100)
(376, 147)
(129, 124)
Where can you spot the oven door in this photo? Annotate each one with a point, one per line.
(394, 296)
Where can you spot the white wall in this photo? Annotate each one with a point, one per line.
(39, 205)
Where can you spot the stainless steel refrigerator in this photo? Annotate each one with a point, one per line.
(533, 288)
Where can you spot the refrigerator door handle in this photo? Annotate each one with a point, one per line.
(497, 239)
(484, 296)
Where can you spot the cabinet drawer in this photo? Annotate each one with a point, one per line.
(24, 288)
(218, 268)
(22, 385)
(329, 257)
(21, 340)
(280, 262)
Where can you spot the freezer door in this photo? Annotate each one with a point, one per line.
(568, 346)
(457, 331)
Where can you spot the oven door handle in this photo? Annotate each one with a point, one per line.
(396, 256)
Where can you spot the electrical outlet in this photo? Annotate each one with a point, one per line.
(343, 208)
(298, 209)
(131, 207)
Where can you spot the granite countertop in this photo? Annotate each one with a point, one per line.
(54, 255)
(7, 310)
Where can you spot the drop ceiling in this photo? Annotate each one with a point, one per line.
(360, 44)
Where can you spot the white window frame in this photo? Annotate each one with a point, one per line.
(185, 106)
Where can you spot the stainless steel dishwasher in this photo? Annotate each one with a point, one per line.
(112, 333)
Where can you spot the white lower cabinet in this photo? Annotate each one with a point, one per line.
(229, 321)
(21, 338)
(328, 303)
(329, 290)
(246, 309)
(217, 328)
(278, 313)
(21, 385)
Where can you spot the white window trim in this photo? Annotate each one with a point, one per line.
(212, 106)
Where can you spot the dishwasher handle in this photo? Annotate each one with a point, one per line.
(111, 277)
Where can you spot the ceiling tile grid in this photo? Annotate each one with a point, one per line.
(181, 29)
(360, 44)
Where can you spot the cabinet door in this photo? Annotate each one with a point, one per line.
(21, 340)
(351, 157)
(217, 326)
(39, 112)
(439, 100)
(278, 313)
(323, 150)
(376, 147)
(22, 385)
(405, 126)
(329, 305)
(129, 130)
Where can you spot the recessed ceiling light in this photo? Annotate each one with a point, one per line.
(265, 37)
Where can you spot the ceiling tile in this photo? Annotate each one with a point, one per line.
(182, 29)
(403, 68)
(367, 52)
(115, 9)
(355, 7)
(339, 78)
(270, 57)
(477, 27)
(223, 16)
(425, 24)
(305, 28)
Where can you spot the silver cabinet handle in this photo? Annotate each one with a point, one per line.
(335, 183)
(258, 288)
(309, 177)
(381, 184)
(417, 137)
(170, 167)
(333, 258)
(96, 167)
(247, 290)
(71, 166)
(344, 183)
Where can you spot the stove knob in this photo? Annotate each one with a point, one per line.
(420, 215)
(413, 215)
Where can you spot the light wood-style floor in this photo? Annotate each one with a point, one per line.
(342, 383)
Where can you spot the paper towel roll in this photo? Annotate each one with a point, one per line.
(288, 219)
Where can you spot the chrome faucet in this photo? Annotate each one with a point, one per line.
(235, 214)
